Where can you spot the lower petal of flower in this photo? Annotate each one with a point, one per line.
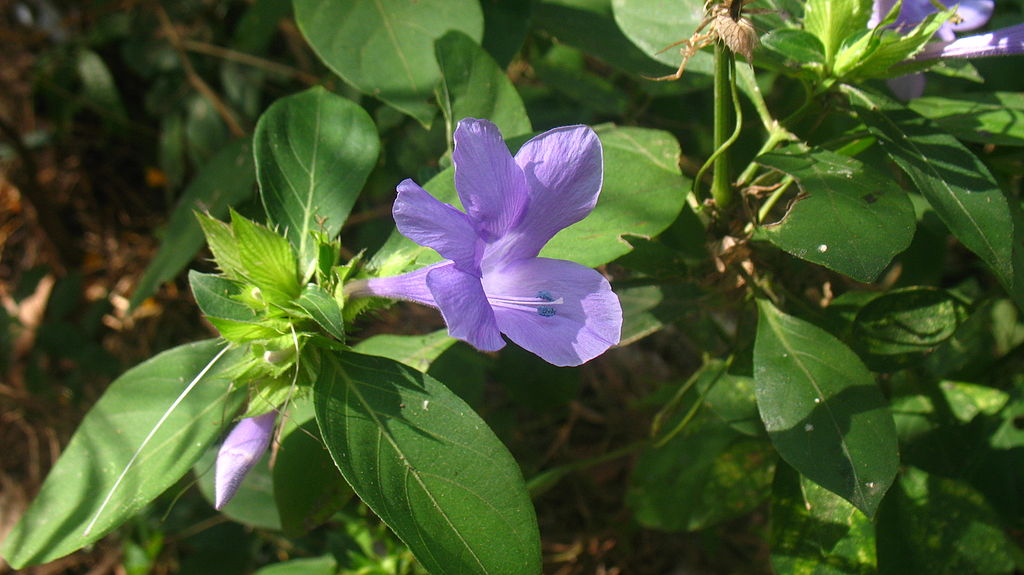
(562, 311)
(465, 308)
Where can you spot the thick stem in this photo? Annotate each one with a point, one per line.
(721, 183)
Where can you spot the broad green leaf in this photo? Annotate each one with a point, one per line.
(901, 326)
(267, 259)
(307, 486)
(324, 310)
(385, 48)
(472, 85)
(700, 477)
(313, 152)
(954, 181)
(114, 428)
(226, 180)
(507, 23)
(852, 219)
(986, 118)
(655, 25)
(823, 410)
(591, 27)
(216, 298)
(967, 400)
(253, 503)
(835, 21)
(98, 86)
(565, 70)
(325, 565)
(642, 195)
(416, 351)
(815, 532)
(732, 398)
(941, 526)
(428, 466)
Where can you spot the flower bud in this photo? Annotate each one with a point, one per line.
(240, 452)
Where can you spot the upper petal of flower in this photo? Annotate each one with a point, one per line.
(490, 184)
(241, 450)
(462, 302)
(429, 222)
(564, 169)
(562, 311)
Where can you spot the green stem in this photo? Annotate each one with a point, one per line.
(721, 183)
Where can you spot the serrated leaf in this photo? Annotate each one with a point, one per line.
(324, 310)
(428, 466)
(823, 410)
(226, 180)
(103, 444)
(267, 259)
(385, 48)
(852, 220)
(223, 244)
(217, 298)
(834, 22)
(313, 152)
(472, 85)
(954, 181)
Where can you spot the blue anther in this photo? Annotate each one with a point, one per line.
(546, 310)
(546, 296)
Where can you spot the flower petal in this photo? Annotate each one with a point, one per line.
(586, 322)
(972, 14)
(462, 302)
(490, 184)
(564, 169)
(240, 452)
(1002, 42)
(410, 286)
(429, 222)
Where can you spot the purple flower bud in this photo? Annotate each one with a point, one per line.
(1002, 42)
(240, 452)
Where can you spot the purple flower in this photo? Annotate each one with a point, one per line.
(1002, 42)
(970, 15)
(492, 281)
(240, 452)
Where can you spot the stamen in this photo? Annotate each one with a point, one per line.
(543, 303)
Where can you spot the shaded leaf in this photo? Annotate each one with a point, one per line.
(823, 410)
(428, 466)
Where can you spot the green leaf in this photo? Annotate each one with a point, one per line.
(325, 565)
(954, 181)
(800, 46)
(217, 298)
(385, 48)
(941, 526)
(267, 259)
(967, 400)
(654, 25)
(324, 310)
(106, 439)
(989, 118)
(472, 85)
(313, 153)
(732, 398)
(643, 193)
(815, 532)
(416, 351)
(221, 239)
(901, 326)
(852, 219)
(835, 21)
(428, 466)
(700, 478)
(98, 86)
(307, 486)
(823, 410)
(226, 180)
(647, 309)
